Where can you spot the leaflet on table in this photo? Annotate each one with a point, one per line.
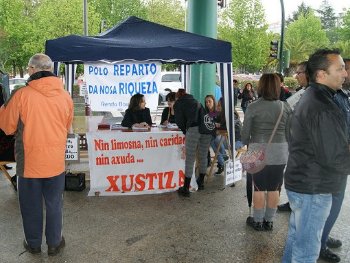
(169, 126)
(118, 126)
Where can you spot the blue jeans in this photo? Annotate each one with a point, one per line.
(214, 144)
(307, 219)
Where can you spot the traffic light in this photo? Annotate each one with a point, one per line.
(222, 3)
(274, 49)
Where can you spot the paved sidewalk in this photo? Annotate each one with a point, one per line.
(208, 227)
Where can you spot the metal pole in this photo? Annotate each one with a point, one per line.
(280, 64)
(85, 17)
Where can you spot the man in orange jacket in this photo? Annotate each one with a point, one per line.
(40, 114)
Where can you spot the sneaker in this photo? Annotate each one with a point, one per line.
(52, 251)
(284, 207)
(327, 255)
(258, 226)
(220, 170)
(7, 167)
(183, 191)
(333, 243)
(32, 250)
(268, 225)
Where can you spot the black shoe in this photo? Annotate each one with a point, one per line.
(327, 255)
(284, 207)
(200, 181)
(258, 226)
(220, 170)
(14, 182)
(333, 243)
(7, 167)
(233, 185)
(52, 251)
(183, 191)
(268, 225)
(32, 250)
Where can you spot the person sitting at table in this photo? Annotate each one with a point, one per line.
(220, 123)
(168, 114)
(137, 115)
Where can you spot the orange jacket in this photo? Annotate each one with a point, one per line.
(40, 114)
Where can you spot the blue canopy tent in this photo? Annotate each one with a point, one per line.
(135, 39)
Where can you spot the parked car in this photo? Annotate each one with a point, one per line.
(170, 81)
(16, 83)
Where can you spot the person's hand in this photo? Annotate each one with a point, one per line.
(141, 125)
(165, 123)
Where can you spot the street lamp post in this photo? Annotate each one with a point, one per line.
(85, 17)
(280, 58)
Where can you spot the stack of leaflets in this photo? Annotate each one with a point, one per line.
(118, 126)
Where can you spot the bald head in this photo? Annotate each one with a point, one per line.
(40, 62)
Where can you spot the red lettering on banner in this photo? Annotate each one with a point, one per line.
(160, 181)
(174, 140)
(140, 183)
(151, 176)
(181, 178)
(101, 145)
(169, 176)
(112, 179)
(131, 182)
(124, 177)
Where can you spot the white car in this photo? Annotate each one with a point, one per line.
(16, 82)
(170, 81)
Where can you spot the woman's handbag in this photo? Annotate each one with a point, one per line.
(254, 160)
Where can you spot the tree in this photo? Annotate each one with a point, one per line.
(344, 30)
(15, 29)
(303, 9)
(113, 12)
(303, 36)
(165, 12)
(244, 25)
(328, 20)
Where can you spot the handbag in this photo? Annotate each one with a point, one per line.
(74, 182)
(206, 123)
(254, 160)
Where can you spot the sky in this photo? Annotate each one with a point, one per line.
(273, 7)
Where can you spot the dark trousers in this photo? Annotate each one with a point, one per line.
(31, 193)
(337, 201)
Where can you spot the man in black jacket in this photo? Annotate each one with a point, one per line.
(319, 157)
(342, 99)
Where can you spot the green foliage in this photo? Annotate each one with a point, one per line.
(291, 83)
(165, 12)
(304, 36)
(303, 9)
(328, 20)
(344, 30)
(244, 25)
(344, 47)
(113, 12)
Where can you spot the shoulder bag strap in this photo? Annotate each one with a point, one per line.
(276, 125)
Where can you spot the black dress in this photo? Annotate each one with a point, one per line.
(132, 117)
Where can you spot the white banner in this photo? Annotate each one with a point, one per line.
(110, 86)
(132, 163)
